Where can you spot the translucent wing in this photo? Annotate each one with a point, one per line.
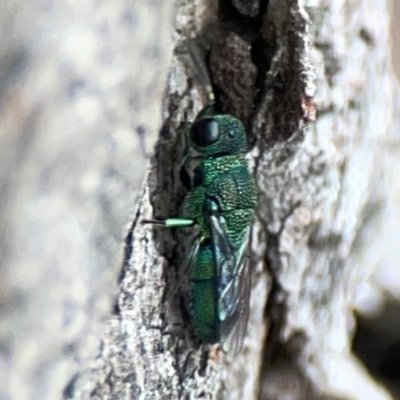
(194, 249)
(192, 256)
(235, 339)
(233, 285)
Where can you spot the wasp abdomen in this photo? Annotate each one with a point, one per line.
(203, 295)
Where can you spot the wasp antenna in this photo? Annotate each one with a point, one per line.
(210, 94)
(191, 53)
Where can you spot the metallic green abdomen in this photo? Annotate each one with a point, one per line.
(203, 296)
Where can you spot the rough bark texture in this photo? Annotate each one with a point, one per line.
(79, 108)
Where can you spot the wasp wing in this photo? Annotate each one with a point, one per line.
(192, 256)
(233, 284)
(234, 342)
(188, 267)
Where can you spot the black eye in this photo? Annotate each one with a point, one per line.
(204, 132)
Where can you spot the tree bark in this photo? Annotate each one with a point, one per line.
(79, 113)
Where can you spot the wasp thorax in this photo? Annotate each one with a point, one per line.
(218, 135)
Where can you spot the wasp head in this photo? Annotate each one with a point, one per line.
(218, 135)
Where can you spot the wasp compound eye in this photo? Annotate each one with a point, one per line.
(204, 132)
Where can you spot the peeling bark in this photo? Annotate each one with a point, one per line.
(71, 160)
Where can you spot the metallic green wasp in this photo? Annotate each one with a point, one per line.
(221, 203)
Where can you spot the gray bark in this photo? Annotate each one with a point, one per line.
(81, 89)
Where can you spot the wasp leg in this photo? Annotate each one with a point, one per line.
(171, 222)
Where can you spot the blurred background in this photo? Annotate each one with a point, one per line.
(377, 338)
